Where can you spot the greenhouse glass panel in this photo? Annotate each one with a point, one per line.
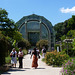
(22, 31)
(44, 32)
(33, 25)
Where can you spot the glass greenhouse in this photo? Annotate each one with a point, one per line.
(35, 28)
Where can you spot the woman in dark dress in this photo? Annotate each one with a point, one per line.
(35, 59)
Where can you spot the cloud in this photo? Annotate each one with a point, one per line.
(68, 10)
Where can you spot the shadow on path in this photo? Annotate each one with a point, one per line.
(26, 68)
(16, 69)
(5, 73)
(40, 68)
(12, 70)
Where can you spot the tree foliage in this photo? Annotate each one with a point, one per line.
(24, 44)
(8, 34)
(71, 23)
(6, 25)
(17, 36)
(63, 29)
(42, 43)
(74, 44)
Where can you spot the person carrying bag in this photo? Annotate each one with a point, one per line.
(13, 56)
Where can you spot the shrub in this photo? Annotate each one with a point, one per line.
(42, 43)
(4, 46)
(71, 52)
(69, 68)
(55, 58)
(24, 44)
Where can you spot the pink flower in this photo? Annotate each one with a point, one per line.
(66, 64)
(71, 62)
(72, 59)
(74, 70)
(66, 70)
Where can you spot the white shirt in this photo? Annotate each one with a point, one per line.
(13, 53)
(20, 54)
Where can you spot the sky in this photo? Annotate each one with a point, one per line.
(55, 11)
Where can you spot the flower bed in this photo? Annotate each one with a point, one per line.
(55, 58)
(69, 68)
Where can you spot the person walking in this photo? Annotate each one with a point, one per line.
(13, 55)
(20, 56)
(38, 53)
(43, 52)
(35, 59)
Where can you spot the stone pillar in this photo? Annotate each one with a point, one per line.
(49, 39)
(40, 31)
(26, 30)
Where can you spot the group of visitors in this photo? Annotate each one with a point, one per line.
(14, 56)
(35, 53)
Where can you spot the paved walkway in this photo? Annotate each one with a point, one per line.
(42, 69)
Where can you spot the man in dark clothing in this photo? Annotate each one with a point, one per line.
(43, 52)
(20, 56)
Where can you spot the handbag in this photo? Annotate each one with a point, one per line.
(10, 55)
(39, 57)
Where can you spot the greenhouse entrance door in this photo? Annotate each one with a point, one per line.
(33, 37)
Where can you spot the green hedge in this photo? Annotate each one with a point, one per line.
(4, 47)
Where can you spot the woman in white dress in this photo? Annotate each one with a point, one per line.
(13, 55)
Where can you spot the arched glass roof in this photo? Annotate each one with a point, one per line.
(35, 17)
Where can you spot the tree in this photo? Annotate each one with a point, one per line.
(24, 44)
(71, 34)
(42, 43)
(6, 25)
(63, 28)
(66, 29)
(59, 28)
(71, 23)
(3, 18)
(74, 44)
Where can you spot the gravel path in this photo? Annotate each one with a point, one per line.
(42, 69)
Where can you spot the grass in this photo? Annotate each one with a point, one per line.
(25, 51)
(8, 60)
(43, 59)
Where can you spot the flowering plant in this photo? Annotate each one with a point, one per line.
(68, 68)
(55, 58)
